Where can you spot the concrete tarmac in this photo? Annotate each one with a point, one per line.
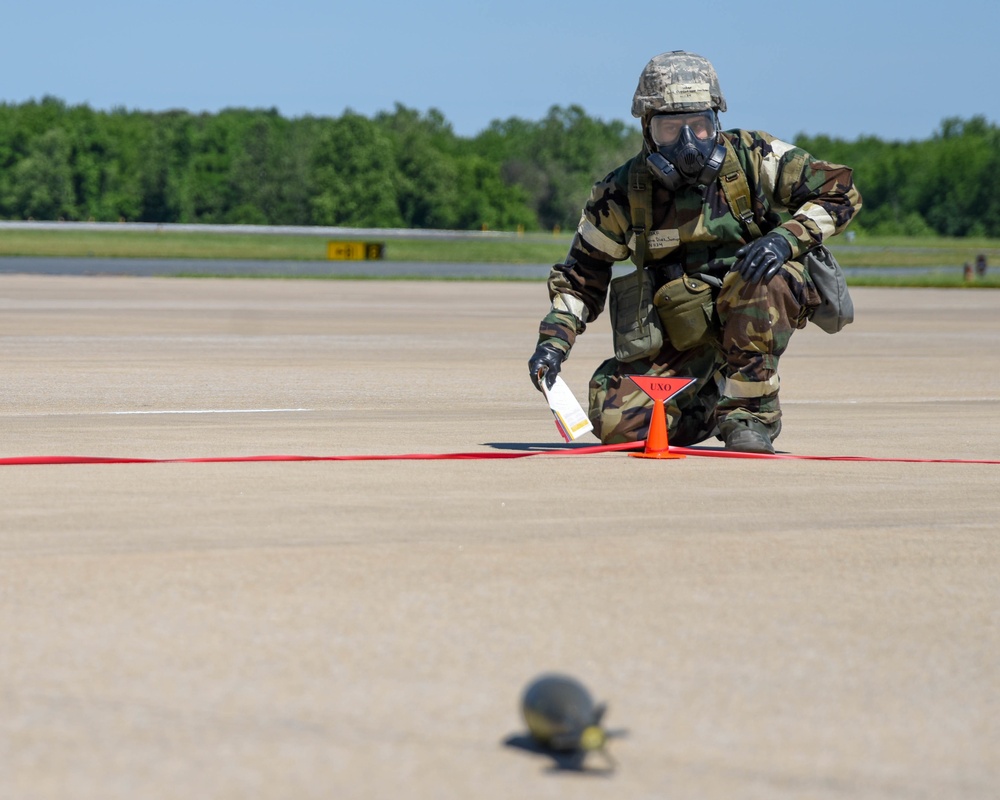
(761, 628)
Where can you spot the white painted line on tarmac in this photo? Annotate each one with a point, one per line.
(890, 401)
(213, 411)
(161, 411)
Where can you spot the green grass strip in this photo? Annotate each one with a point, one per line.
(944, 257)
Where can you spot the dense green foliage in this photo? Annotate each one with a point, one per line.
(944, 185)
(409, 169)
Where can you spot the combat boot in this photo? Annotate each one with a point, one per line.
(749, 435)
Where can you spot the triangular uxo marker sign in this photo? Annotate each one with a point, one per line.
(660, 389)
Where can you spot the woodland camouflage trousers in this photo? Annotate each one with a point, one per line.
(736, 373)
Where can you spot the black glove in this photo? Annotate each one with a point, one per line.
(546, 361)
(763, 257)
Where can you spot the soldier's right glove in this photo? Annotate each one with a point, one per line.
(545, 363)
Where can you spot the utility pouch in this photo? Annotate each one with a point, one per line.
(685, 306)
(837, 308)
(635, 325)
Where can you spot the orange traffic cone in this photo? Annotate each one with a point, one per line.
(657, 445)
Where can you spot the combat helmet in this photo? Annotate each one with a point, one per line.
(680, 90)
(677, 82)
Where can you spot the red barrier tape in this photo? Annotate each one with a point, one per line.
(478, 456)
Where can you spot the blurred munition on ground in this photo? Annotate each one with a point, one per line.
(562, 716)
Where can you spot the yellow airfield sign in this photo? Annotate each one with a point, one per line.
(354, 251)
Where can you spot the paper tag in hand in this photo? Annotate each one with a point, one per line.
(571, 419)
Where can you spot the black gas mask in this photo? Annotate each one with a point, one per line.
(684, 148)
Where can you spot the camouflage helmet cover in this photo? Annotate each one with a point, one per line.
(677, 82)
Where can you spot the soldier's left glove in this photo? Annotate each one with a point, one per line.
(762, 258)
(545, 364)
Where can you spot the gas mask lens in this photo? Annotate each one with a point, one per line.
(666, 129)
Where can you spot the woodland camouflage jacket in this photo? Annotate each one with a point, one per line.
(694, 229)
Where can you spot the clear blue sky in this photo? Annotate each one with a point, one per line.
(884, 67)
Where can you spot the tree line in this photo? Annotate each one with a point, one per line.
(408, 169)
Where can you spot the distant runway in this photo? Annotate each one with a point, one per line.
(210, 267)
(253, 268)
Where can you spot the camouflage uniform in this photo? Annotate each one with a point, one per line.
(694, 230)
